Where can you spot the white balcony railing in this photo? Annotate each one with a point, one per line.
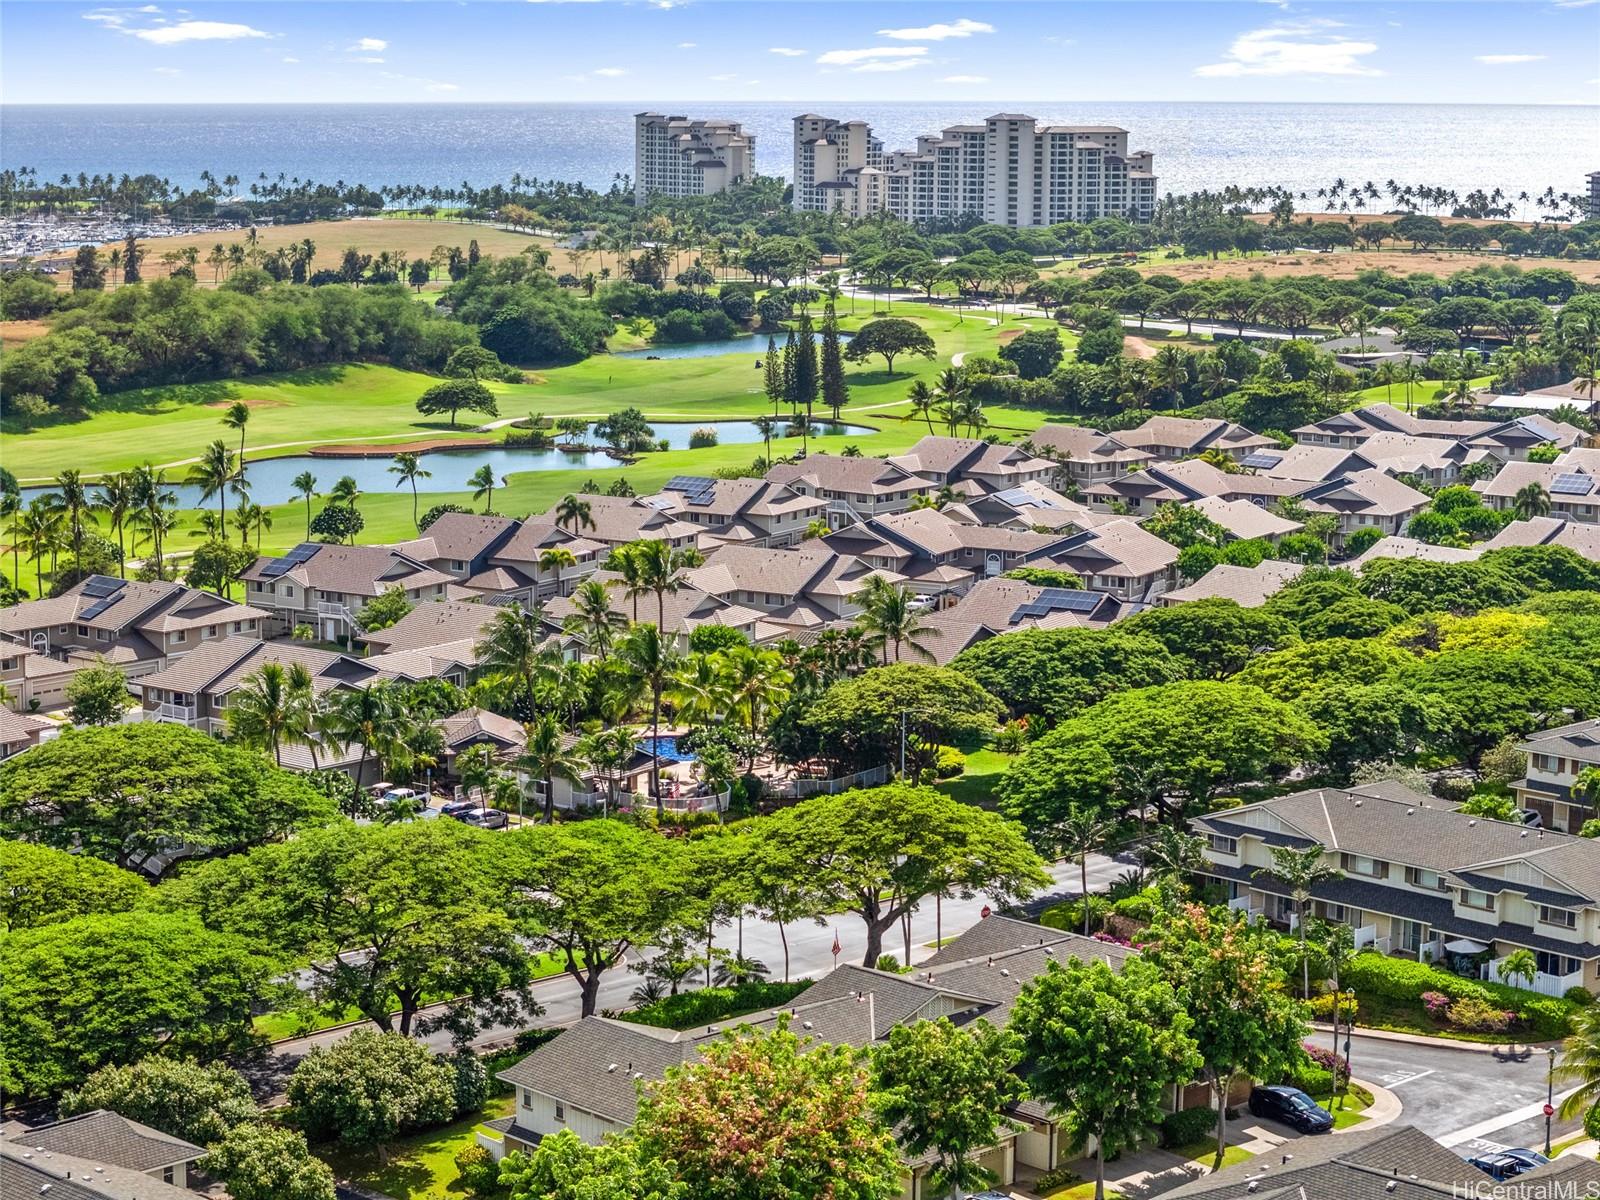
(1367, 935)
(178, 714)
(332, 608)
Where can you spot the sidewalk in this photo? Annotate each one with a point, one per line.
(1498, 1049)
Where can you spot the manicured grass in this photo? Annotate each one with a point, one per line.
(1205, 1153)
(975, 785)
(1081, 1191)
(1567, 1143)
(420, 1167)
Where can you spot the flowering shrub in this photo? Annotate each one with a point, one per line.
(1112, 938)
(1479, 1016)
(1322, 1007)
(1327, 1060)
(1437, 1004)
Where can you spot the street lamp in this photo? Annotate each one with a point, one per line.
(1350, 1024)
(1549, 1098)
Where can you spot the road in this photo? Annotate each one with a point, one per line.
(1474, 1101)
(810, 956)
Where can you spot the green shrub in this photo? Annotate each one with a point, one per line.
(1313, 1081)
(1322, 1007)
(702, 437)
(1376, 976)
(479, 1173)
(950, 763)
(1069, 916)
(1141, 906)
(689, 1009)
(1189, 1126)
(891, 964)
(1581, 996)
(1479, 1016)
(1054, 1180)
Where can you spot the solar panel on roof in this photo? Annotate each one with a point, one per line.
(690, 484)
(274, 567)
(1573, 484)
(302, 552)
(99, 606)
(1262, 459)
(1053, 600)
(100, 586)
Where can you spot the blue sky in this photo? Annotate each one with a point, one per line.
(660, 51)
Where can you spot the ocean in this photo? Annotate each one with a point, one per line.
(1516, 148)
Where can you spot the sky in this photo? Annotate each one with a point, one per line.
(661, 51)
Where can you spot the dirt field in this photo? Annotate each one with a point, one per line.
(14, 333)
(413, 238)
(1345, 264)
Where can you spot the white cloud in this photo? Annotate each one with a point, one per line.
(849, 58)
(166, 70)
(786, 51)
(1501, 60)
(198, 31)
(1575, 3)
(369, 45)
(288, 58)
(443, 87)
(687, 45)
(610, 72)
(939, 31)
(965, 79)
(723, 78)
(367, 58)
(1298, 48)
(889, 64)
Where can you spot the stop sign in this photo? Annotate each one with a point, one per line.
(1549, 1110)
(985, 911)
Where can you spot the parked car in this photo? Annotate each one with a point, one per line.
(1532, 818)
(1508, 1164)
(1292, 1107)
(487, 818)
(454, 808)
(403, 795)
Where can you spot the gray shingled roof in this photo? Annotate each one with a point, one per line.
(107, 1137)
(25, 1172)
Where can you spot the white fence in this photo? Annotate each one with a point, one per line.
(1544, 985)
(801, 788)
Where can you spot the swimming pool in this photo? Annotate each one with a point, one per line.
(666, 749)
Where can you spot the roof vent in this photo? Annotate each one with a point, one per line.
(1472, 822)
(1409, 811)
(1524, 833)
(1252, 1187)
(1390, 1186)
(712, 1029)
(611, 1069)
(1049, 949)
(1005, 971)
(805, 1025)
(1286, 1159)
(1358, 804)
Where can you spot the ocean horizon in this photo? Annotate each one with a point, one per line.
(1197, 146)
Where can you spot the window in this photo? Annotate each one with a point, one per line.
(1557, 964)
(83, 631)
(1419, 878)
(167, 1175)
(1360, 864)
(1222, 844)
(1564, 917)
(180, 635)
(527, 1098)
(1476, 899)
(561, 1111)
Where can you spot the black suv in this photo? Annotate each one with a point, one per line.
(1291, 1106)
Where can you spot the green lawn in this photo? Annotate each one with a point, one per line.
(1205, 1153)
(1081, 1191)
(420, 1167)
(975, 785)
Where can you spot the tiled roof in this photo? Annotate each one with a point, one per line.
(1079, 443)
(1580, 538)
(26, 1172)
(1246, 586)
(16, 728)
(1191, 436)
(1119, 548)
(1580, 740)
(353, 570)
(1404, 547)
(111, 1138)
(837, 473)
(1245, 520)
(458, 537)
(218, 667)
(433, 623)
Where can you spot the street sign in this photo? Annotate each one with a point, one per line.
(1549, 1110)
(985, 911)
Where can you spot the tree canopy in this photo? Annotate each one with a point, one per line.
(1056, 673)
(44, 886)
(889, 337)
(197, 1103)
(368, 1088)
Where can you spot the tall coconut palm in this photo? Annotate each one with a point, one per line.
(408, 466)
(573, 513)
(699, 691)
(237, 417)
(923, 401)
(305, 484)
(1080, 835)
(1172, 854)
(262, 710)
(890, 620)
(212, 475)
(11, 508)
(608, 754)
(758, 682)
(765, 426)
(593, 619)
(624, 560)
(1300, 870)
(555, 560)
(1213, 376)
(652, 660)
(545, 753)
(951, 391)
(40, 529)
(371, 716)
(72, 498)
(1579, 1065)
(1531, 501)
(117, 499)
(482, 484)
(513, 649)
(660, 568)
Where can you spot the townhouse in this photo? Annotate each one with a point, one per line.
(1556, 757)
(1173, 438)
(1243, 521)
(1032, 505)
(460, 544)
(1583, 540)
(1142, 492)
(986, 466)
(111, 1140)
(802, 588)
(137, 627)
(195, 690)
(587, 1078)
(1421, 879)
(752, 512)
(940, 553)
(678, 612)
(617, 520)
(1364, 500)
(1571, 484)
(517, 569)
(1121, 559)
(1084, 455)
(435, 640)
(1350, 429)
(324, 586)
(21, 731)
(1248, 587)
(855, 488)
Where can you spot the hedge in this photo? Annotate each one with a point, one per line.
(1378, 976)
(1189, 1126)
(689, 1009)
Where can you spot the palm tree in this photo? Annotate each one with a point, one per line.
(371, 716)
(573, 513)
(546, 754)
(212, 474)
(1460, 394)
(1079, 836)
(951, 390)
(72, 499)
(1531, 501)
(764, 426)
(1172, 854)
(593, 619)
(237, 417)
(1213, 376)
(757, 682)
(262, 712)
(1300, 871)
(659, 567)
(609, 752)
(652, 660)
(922, 401)
(117, 499)
(1170, 370)
(624, 560)
(513, 649)
(306, 484)
(555, 560)
(11, 509)
(482, 484)
(699, 691)
(889, 619)
(1580, 1063)
(39, 530)
(253, 516)
(408, 466)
